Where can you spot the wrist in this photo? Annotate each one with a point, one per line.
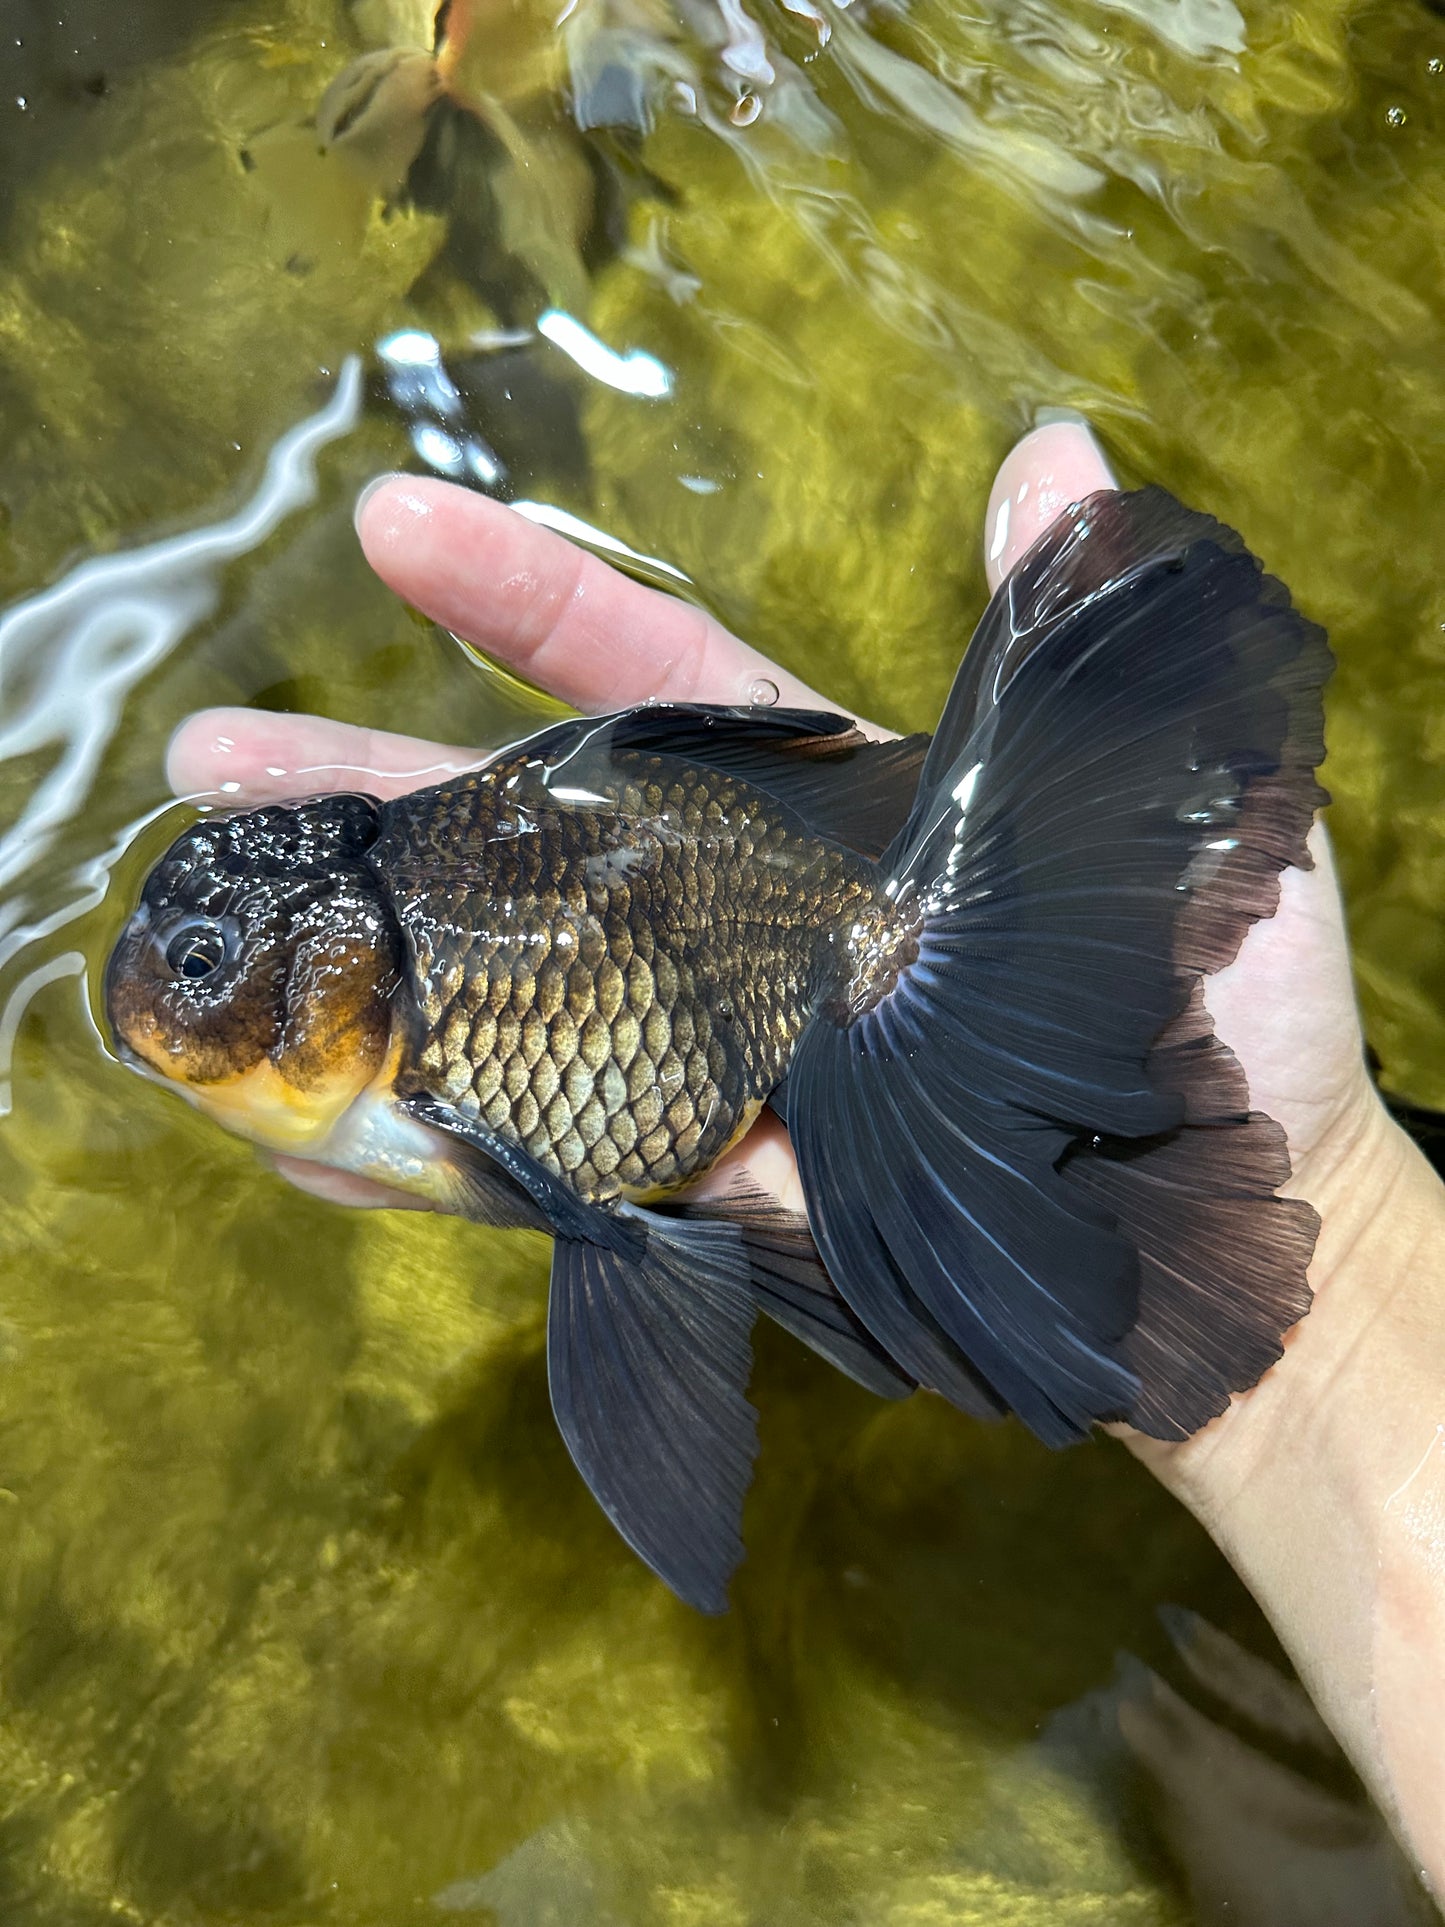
(1325, 1484)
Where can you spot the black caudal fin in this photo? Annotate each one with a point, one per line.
(648, 1358)
(1029, 1134)
(1222, 1261)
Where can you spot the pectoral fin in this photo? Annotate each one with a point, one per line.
(648, 1356)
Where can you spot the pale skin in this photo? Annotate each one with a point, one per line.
(1325, 1485)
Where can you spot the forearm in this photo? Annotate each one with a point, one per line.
(1325, 1486)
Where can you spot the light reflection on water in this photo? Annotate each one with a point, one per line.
(70, 658)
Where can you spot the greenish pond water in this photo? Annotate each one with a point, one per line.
(304, 1615)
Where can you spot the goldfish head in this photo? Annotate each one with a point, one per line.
(259, 971)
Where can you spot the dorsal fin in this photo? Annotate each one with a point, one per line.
(817, 763)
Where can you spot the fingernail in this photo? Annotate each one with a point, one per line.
(1071, 418)
(377, 482)
(1046, 416)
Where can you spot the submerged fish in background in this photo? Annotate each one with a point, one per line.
(1222, 1767)
(522, 137)
(967, 972)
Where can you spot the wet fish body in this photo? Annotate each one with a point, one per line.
(617, 984)
(553, 992)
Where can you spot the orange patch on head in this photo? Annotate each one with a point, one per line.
(180, 1057)
(262, 1105)
(259, 970)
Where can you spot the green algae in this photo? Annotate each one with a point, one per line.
(304, 1615)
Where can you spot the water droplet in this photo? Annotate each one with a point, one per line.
(745, 110)
(805, 10)
(1435, 65)
(1396, 116)
(762, 692)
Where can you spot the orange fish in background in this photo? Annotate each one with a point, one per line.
(522, 135)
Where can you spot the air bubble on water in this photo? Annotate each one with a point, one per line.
(1435, 65)
(1396, 116)
(745, 110)
(762, 692)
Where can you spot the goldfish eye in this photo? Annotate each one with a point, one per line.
(196, 950)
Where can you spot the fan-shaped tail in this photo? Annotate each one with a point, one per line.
(1032, 1144)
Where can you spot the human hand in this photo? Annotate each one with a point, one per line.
(1297, 1481)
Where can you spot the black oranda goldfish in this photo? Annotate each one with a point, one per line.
(967, 972)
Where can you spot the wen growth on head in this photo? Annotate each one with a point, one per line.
(966, 972)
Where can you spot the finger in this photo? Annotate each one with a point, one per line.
(251, 756)
(1041, 476)
(553, 613)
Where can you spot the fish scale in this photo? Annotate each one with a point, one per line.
(615, 984)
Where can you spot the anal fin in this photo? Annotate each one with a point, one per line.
(649, 1352)
(648, 1358)
(791, 1286)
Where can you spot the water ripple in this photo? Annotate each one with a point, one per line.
(70, 658)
